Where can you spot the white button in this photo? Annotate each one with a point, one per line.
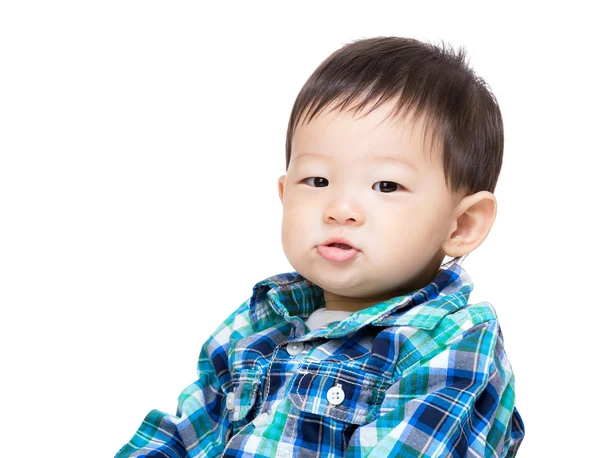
(261, 419)
(294, 348)
(335, 395)
(230, 400)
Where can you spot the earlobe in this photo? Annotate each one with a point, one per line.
(474, 218)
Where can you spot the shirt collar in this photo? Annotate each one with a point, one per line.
(292, 298)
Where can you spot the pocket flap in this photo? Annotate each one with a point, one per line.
(362, 393)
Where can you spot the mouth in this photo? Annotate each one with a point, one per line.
(339, 242)
(343, 246)
(337, 252)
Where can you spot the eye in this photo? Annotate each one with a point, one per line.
(389, 185)
(317, 179)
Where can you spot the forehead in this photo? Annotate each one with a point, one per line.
(372, 134)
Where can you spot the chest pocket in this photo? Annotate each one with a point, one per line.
(337, 392)
(243, 395)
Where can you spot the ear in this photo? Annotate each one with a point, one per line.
(281, 184)
(472, 221)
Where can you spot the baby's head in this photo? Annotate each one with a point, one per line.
(395, 146)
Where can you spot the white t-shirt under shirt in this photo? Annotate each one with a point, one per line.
(322, 317)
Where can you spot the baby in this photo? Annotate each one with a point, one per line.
(369, 347)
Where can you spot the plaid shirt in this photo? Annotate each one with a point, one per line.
(419, 375)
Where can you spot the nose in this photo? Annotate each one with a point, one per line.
(343, 213)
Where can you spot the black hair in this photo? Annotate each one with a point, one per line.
(429, 80)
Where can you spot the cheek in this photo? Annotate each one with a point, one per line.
(411, 228)
(433, 223)
(296, 224)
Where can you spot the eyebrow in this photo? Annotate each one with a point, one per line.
(379, 158)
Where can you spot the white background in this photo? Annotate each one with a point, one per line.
(141, 143)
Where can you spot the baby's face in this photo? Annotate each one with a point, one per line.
(343, 181)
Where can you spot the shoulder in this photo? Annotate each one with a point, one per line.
(236, 326)
(470, 329)
(472, 318)
(215, 351)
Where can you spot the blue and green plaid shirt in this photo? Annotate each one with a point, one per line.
(419, 375)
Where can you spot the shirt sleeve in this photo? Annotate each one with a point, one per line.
(460, 403)
(201, 424)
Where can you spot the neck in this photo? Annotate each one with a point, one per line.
(353, 304)
(347, 304)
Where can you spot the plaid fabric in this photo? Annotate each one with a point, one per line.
(421, 375)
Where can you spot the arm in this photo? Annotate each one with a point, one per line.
(200, 425)
(459, 403)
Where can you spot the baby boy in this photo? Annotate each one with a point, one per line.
(369, 347)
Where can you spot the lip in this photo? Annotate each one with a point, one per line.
(338, 240)
(337, 254)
